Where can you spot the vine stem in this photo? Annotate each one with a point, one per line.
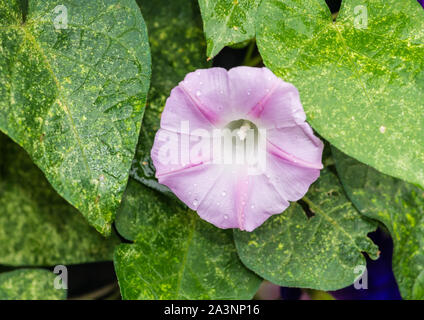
(248, 59)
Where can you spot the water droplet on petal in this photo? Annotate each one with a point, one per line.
(225, 216)
(224, 193)
(252, 206)
(198, 93)
(195, 202)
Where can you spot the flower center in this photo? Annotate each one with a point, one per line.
(244, 144)
(243, 128)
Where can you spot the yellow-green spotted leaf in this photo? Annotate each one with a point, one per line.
(176, 255)
(37, 226)
(360, 78)
(73, 82)
(227, 22)
(400, 207)
(29, 284)
(323, 252)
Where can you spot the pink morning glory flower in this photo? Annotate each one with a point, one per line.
(234, 146)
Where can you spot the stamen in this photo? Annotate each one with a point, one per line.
(242, 132)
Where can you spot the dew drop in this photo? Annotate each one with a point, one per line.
(198, 93)
(226, 216)
(252, 206)
(224, 193)
(195, 202)
(248, 93)
(382, 129)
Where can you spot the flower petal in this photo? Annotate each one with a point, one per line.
(175, 151)
(263, 98)
(238, 200)
(290, 180)
(264, 201)
(201, 99)
(299, 143)
(235, 195)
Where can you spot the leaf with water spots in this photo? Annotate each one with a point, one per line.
(176, 255)
(29, 284)
(360, 78)
(73, 80)
(400, 207)
(323, 252)
(227, 22)
(37, 226)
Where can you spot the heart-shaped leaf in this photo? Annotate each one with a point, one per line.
(323, 252)
(400, 207)
(37, 226)
(73, 80)
(360, 78)
(228, 22)
(29, 284)
(176, 254)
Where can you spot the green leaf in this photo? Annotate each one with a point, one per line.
(362, 89)
(227, 22)
(29, 284)
(400, 207)
(37, 226)
(321, 252)
(177, 45)
(74, 98)
(176, 254)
